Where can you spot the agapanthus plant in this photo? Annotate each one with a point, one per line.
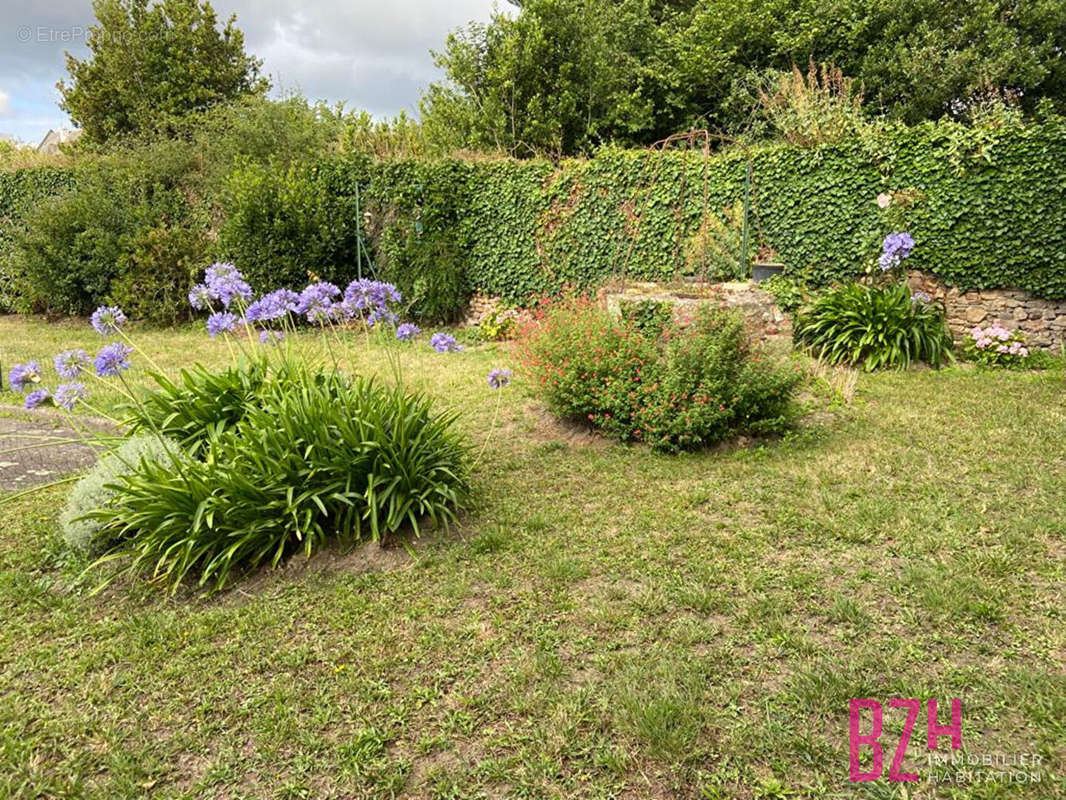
(70, 364)
(223, 449)
(444, 343)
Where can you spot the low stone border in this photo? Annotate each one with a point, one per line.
(1042, 321)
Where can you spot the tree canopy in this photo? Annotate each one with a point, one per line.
(561, 76)
(151, 64)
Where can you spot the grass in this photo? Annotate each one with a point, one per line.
(609, 623)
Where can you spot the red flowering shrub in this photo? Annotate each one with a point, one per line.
(685, 388)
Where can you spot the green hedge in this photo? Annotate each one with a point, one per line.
(988, 212)
(19, 189)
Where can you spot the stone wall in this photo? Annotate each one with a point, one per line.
(1042, 321)
(482, 307)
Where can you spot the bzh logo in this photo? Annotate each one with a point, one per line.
(933, 732)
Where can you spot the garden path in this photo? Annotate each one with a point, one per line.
(22, 468)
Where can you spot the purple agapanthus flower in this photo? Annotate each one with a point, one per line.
(407, 331)
(225, 283)
(923, 298)
(273, 306)
(113, 359)
(36, 398)
(271, 337)
(444, 343)
(68, 394)
(382, 314)
(71, 363)
(107, 320)
(316, 302)
(367, 295)
(498, 378)
(888, 261)
(221, 322)
(200, 297)
(897, 245)
(22, 375)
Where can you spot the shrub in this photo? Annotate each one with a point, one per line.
(70, 248)
(129, 229)
(877, 327)
(283, 224)
(429, 269)
(159, 266)
(98, 490)
(316, 456)
(648, 316)
(996, 346)
(687, 388)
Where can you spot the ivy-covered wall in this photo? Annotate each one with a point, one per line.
(986, 206)
(987, 209)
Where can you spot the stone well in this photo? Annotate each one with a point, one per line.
(765, 319)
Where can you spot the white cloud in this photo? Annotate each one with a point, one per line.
(5, 103)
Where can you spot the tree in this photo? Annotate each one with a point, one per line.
(152, 64)
(561, 76)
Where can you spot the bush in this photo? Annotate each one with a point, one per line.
(316, 456)
(98, 490)
(684, 389)
(430, 271)
(876, 327)
(283, 224)
(129, 230)
(70, 248)
(648, 316)
(997, 346)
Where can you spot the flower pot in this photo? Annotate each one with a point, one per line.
(761, 271)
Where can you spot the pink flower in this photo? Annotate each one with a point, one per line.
(884, 200)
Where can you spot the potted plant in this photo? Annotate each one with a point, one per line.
(766, 265)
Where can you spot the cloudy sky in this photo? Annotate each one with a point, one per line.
(372, 54)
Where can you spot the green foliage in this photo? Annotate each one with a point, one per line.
(316, 457)
(788, 292)
(198, 405)
(647, 316)
(19, 191)
(284, 224)
(151, 64)
(691, 387)
(877, 327)
(715, 252)
(562, 76)
(98, 490)
(497, 325)
(415, 211)
(817, 108)
(557, 79)
(987, 217)
(128, 230)
(980, 201)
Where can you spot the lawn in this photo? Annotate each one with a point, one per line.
(607, 622)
